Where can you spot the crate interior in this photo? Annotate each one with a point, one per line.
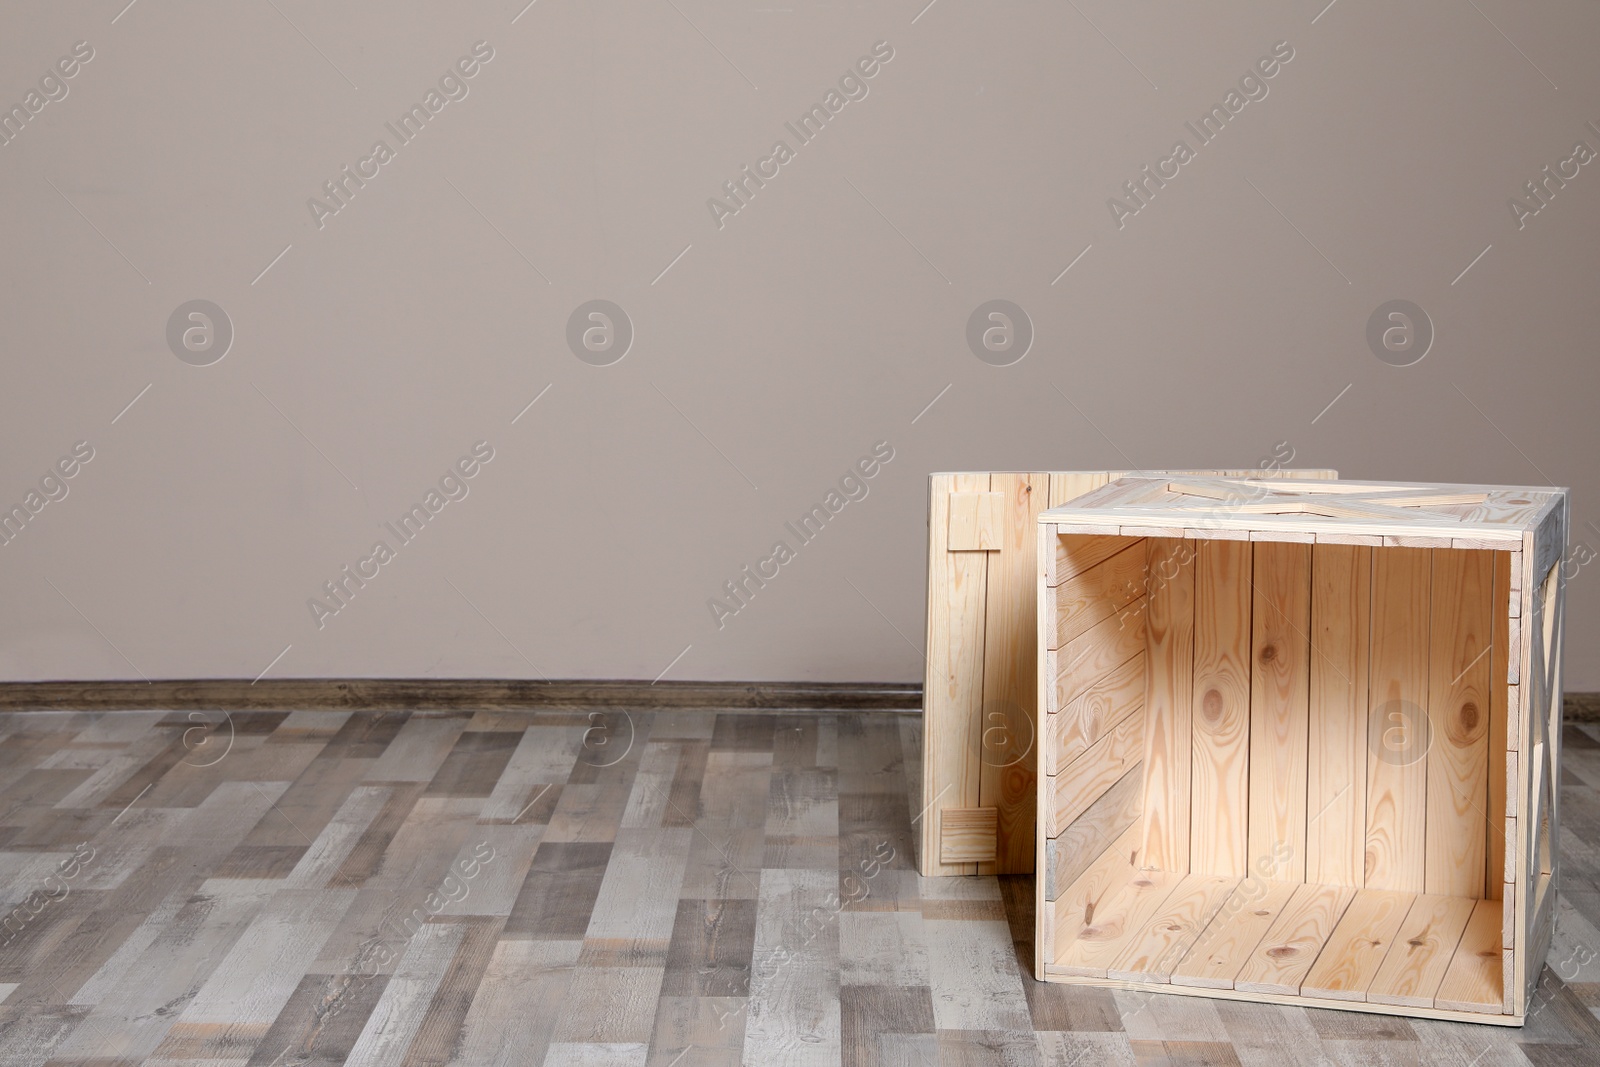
(1278, 768)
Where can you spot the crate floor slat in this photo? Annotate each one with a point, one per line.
(1305, 943)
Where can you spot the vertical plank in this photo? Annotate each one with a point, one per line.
(1220, 776)
(1008, 760)
(953, 690)
(1169, 693)
(1280, 708)
(1397, 773)
(1494, 873)
(1044, 570)
(1524, 669)
(1456, 835)
(1066, 486)
(1336, 750)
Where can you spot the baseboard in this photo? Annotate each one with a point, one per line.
(390, 693)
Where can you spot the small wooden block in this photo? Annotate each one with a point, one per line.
(977, 522)
(968, 835)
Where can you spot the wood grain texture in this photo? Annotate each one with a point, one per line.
(1279, 709)
(1337, 742)
(968, 835)
(1220, 776)
(1169, 696)
(1098, 592)
(1397, 770)
(1358, 945)
(1097, 710)
(1460, 635)
(1280, 962)
(953, 685)
(1092, 655)
(1421, 952)
(1086, 779)
(1167, 937)
(1090, 948)
(1473, 981)
(1010, 693)
(1499, 732)
(1077, 846)
(977, 521)
(1233, 933)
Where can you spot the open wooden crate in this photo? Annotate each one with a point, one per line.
(1299, 742)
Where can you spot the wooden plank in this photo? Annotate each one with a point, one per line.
(1543, 931)
(1090, 948)
(1096, 593)
(1461, 632)
(1220, 765)
(1097, 877)
(953, 688)
(1524, 653)
(1549, 538)
(1288, 949)
(1473, 981)
(1071, 852)
(1169, 693)
(1168, 936)
(1279, 709)
(1497, 744)
(1397, 773)
(1075, 554)
(1088, 777)
(1095, 713)
(968, 835)
(1043, 909)
(1421, 951)
(1010, 691)
(1289, 1002)
(1336, 750)
(1086, 659)
(1067, 486)
(1237, 929)
(977, 521)
(1352, 956)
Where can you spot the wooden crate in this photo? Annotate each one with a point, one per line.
(1309, 755)
(978, 774)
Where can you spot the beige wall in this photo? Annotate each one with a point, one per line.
(787, 341)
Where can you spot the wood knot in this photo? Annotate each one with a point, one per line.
(1283, 952)
(1269, 653)
(1211, 706)
(1469, 717)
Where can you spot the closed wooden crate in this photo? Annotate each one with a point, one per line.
(1309, 753)
(979, 705)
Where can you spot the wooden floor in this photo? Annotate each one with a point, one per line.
(675, 888)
